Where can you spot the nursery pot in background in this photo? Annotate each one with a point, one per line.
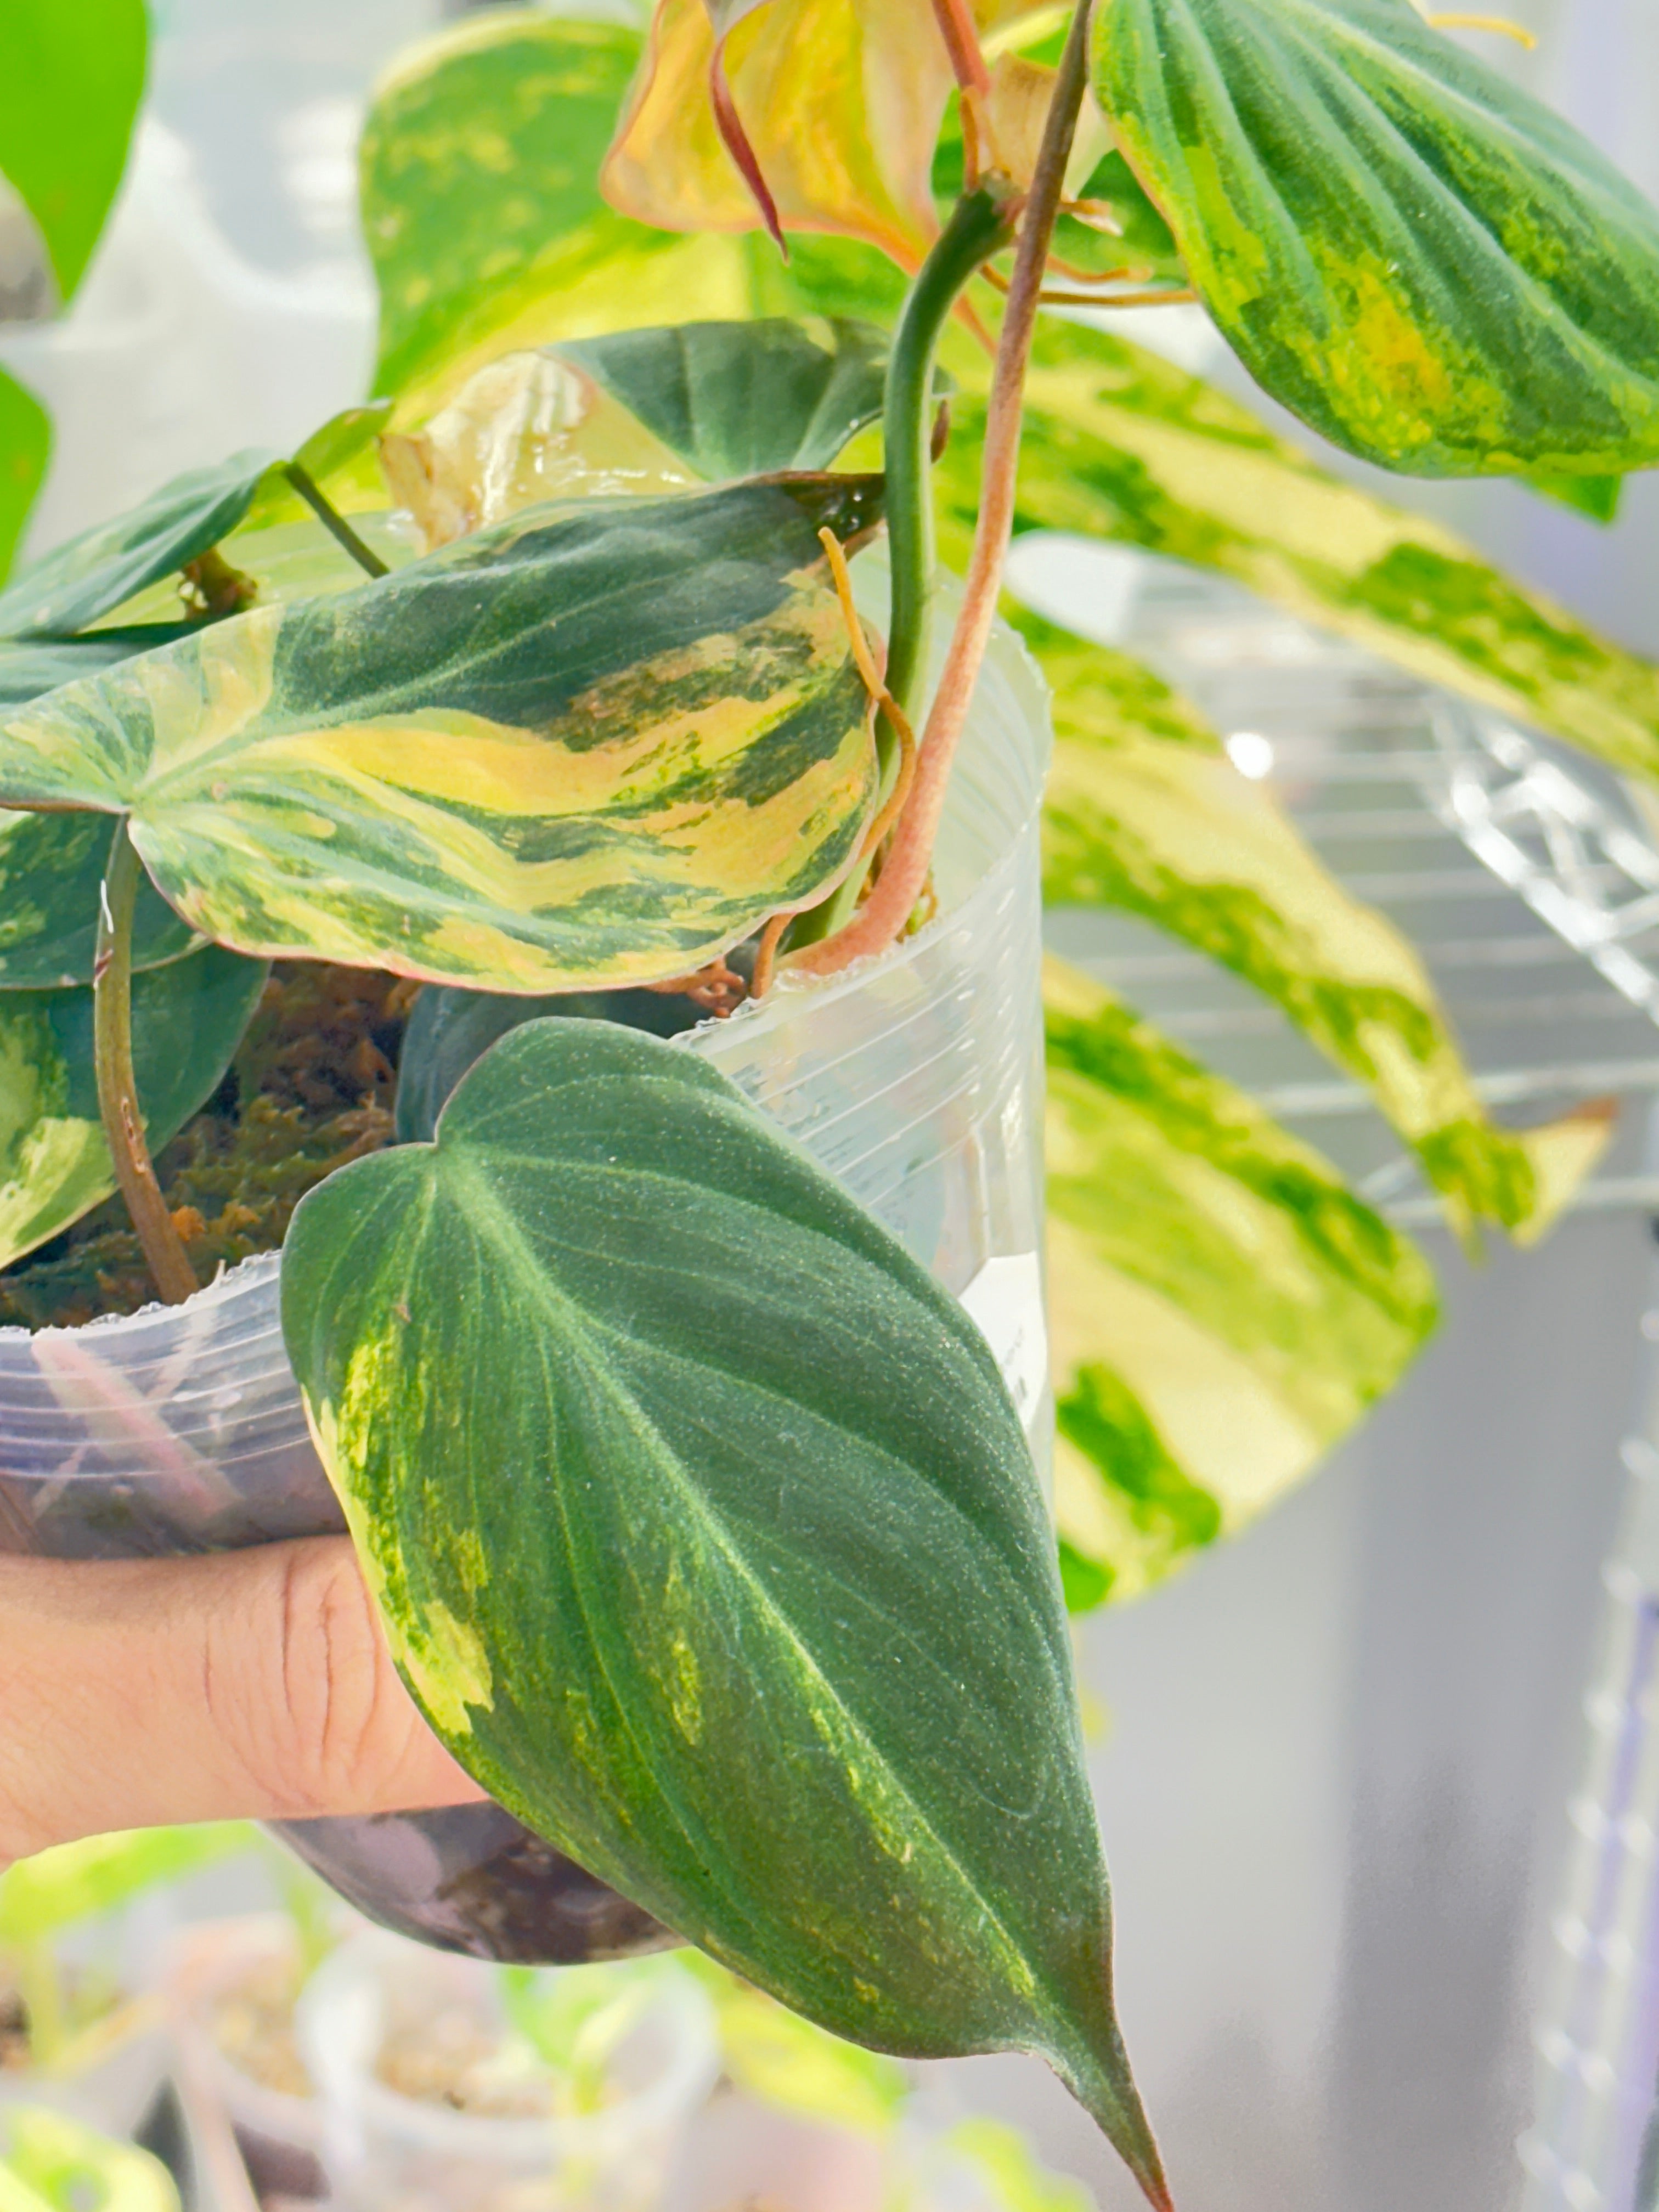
(916, 1081)
(389, 2151)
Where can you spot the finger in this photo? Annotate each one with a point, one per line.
(254, 1684)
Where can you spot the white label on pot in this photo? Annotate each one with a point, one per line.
(1006, 1300)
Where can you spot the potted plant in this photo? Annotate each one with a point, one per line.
(446, 2083)
(704, 1523)
(77, 2035)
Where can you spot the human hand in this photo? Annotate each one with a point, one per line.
(252, 1683)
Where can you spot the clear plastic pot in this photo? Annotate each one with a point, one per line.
(916, 1080)
(278, 2131)
(386, 2152)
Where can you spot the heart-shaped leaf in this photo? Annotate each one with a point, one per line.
(1222, 1310)
(90, 575)
(29, 670)
(596, 745)
(744, 399)
(1415, 257)
(451, 1029)
(187, 1020)
(763, 1625)
(25, 442)
(68, 93)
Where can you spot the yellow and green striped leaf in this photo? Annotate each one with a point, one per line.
(484, 220)
(597, 744)
(765, 1629)
(1145, 813)
(1222, 1308)
(1118, 444)
(188, 1018)
(1414, 256)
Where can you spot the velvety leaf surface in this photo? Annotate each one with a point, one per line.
(744, 398)
(1222, 1308)
(25, 444)
(187, 1020)
(764, 1628)
(597, 744)
(484, 218)
(1419, 259)
(451, 1028)
(92, 573)
(1118, 444)
(39, 665)
(52, 872)
(69, 92)
(1145, 813)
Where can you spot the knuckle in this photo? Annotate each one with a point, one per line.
(331, 1724)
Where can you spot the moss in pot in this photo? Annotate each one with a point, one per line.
(704, 1524)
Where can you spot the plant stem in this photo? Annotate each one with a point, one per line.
(890, 906)
(981, 226)
(333, 521)
(118, 1094)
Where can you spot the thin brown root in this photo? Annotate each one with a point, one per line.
(716, 989)
(880, 698)
(766, 958)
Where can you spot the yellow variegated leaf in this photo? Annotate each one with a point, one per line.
(1118, 444)
(841, 100)
(597, 743)
(1145, 813)
(1222, 1308)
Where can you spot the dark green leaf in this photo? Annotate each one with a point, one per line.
(29, 670)
(187, 1020)
(1418, 258)
(92, 573)
(744, 399)
(51, 870)
(763, 1624)
(596, 745)
(69, 92)
(451, 1029)
(25, 443)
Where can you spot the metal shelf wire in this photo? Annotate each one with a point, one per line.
(1524, 874)
(1529, 879)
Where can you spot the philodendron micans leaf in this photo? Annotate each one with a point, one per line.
(743, 398)
(52, 865)
(1144, 813)
(597, 744)
(1222, 1308)
(1115, 443)
(1415, 257)
(187, 1021)
(91, 574)
(451, 1028)
(51, 873)
(707, 1536)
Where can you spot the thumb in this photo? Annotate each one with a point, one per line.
(250, 1685)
